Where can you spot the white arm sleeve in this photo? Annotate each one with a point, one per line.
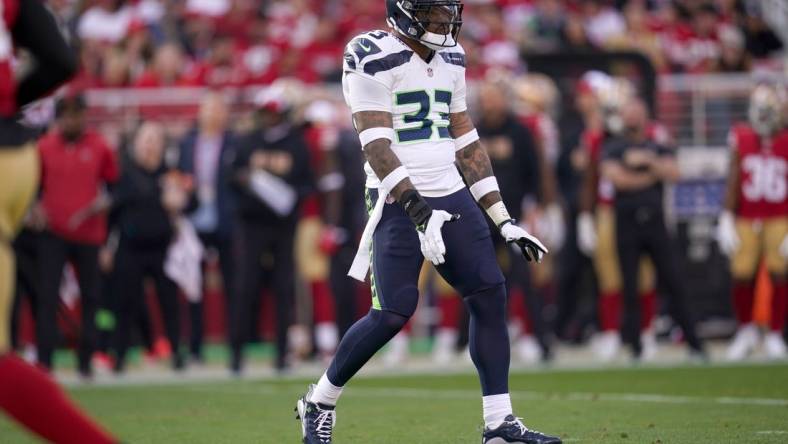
(366, 94)
(458, 104)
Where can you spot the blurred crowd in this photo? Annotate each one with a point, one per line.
(248, 208)
(259, 225)
(150, 43)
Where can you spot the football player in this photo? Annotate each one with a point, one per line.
(754, 223)
(406, 89)
(535, 97)
(27, 394)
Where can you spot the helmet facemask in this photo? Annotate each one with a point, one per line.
(435, 24)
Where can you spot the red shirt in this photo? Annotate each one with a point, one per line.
(763, 190)
(71, 174)
(311, 206)
(9, 10)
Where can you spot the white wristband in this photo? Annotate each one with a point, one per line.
(466, 139)
(483, 187)
(498, 213)
(393, 178)
(372, 134)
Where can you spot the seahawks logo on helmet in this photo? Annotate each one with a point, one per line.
(433, 23)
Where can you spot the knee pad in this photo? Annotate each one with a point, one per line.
(488, 303)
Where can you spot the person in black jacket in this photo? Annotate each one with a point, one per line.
(512, 152)
(639, 168)
(145, 201)
(271, 175)
(207, 153)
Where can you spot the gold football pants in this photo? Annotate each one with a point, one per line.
(19, 171)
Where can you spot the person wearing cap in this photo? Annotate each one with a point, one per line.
(319, 236)
(77, 165)
(271, 175)
(340, 183)
(207, 153)
(639, 168)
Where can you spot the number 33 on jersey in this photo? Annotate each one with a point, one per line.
(420, 94)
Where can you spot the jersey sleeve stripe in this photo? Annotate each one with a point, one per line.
(454, 58)
(391, 61)
(350, 60)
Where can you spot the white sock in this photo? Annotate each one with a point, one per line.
(496, 409)
(325, 392)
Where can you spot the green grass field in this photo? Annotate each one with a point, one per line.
(739, 404)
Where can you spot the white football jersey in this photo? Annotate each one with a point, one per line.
(421, 96)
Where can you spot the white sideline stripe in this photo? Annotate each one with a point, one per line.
(399, 392)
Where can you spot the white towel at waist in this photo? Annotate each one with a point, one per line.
(360, 267)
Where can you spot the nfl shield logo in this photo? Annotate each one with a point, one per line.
(429, 72)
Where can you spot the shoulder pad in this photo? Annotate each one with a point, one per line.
(453, 56)
(375, 51)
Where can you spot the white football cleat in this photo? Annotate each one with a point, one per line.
(607, 346)
(774, 345)
(397, 351)
(743, 343)
(528, 349)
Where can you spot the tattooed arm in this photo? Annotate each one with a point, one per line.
(378, 153)
(474, 164)
(473, 161)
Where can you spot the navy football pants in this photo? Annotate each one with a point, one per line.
(470, 267)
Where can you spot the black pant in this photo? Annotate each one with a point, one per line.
(573, 268)
(518, 275)
(53, 254)
(344, 287)
(642, 230)
(109, 302)
(132, 266)
(26, 252)
(262, 250)
(223, 246)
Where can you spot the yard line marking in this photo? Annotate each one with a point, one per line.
(404, 392)
(772, 432)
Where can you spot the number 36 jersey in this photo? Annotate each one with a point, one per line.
(763, 173)
(381, 73)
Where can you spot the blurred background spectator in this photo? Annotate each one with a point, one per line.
(145, 204)
(247, 92)
(271, 174)
(207, 153)
(76, 166)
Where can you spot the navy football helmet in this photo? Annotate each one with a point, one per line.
(433, 23)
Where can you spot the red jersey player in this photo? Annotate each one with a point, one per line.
(27, 394)
(754, 223)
